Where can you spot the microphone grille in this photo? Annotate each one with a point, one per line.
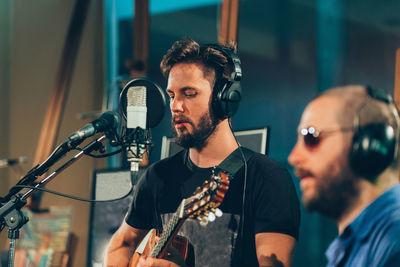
(136, 96)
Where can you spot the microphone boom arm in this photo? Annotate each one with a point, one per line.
(10, 212)
(95, 145)
(40, 169)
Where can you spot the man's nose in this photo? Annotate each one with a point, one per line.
(296, 155)
(176, 105)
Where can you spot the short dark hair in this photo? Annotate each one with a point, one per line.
(186, 50)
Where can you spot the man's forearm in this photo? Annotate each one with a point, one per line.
(117, 256)
(122, 245)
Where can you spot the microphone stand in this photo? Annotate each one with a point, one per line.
(11, 214)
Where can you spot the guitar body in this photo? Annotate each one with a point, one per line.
(178, 243)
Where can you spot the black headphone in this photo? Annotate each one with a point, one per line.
(374, 145)
(227, 92)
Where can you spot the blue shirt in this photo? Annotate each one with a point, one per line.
(373, 238)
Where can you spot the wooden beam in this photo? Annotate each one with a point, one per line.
(229, 22)
(396, 93)
(57, 101)
(139, 64)
(58, 98)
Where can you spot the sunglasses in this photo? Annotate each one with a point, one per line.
(312, 136)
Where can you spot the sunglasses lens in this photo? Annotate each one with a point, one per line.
(310, 140)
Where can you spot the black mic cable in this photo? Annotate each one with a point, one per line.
(240, 240)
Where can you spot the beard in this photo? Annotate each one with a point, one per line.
(334, 194)
(201, 132)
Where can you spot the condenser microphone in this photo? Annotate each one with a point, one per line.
(11, 162)
(136, 109)
(143, 105)
(136, 116)
(108, 121)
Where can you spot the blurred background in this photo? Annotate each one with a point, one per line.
(291, 50)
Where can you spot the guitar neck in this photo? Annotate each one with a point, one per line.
(169, 232)
(204, 201)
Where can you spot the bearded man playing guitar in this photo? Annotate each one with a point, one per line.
(258, 228)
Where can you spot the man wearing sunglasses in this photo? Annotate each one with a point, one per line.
(346, 157)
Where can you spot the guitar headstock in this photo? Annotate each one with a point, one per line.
(203, 204)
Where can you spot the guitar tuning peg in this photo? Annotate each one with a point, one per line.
(211, 217)
(218, 212)
(203, 221)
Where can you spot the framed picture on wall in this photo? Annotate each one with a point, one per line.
(254, 139)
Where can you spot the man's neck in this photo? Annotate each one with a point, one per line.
(368, 193)
(219, 145)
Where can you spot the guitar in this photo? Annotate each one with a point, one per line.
(202, 205)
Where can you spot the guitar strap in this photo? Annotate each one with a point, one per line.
(232, 164)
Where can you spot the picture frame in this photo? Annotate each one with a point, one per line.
(254, 139)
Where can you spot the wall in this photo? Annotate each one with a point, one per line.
(38, 33)
(291, 50)
(5, 26)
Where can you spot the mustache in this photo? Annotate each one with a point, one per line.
(181, 118)
(300, 172)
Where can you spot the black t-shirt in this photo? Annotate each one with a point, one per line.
(271, 206)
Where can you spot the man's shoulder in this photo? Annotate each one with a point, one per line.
(386, 249)
(384, 212)
(383, 236)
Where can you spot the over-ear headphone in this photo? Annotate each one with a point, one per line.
(374, 145)
(227, 92)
